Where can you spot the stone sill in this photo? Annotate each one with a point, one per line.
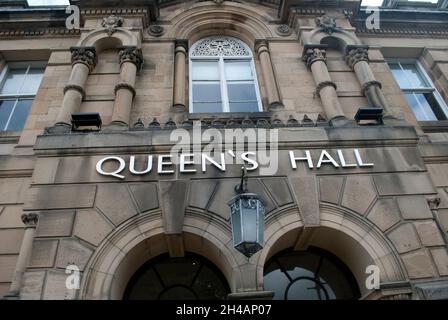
(10, 137)
(434, 126)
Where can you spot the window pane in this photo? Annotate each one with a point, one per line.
(239, 92)
(32, 81)
(20, 114)
(13, 81)
(205, 70)
(413, 76)
(421, 107)
(399, 75)
(238, 70)
(5, 111)
(243, 107)
(207, 107)
(207, 92)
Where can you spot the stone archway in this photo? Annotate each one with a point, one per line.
(135, 242)
(347, 235)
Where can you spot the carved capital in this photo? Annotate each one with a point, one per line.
(111, 23)
(366, 86)
(85, 55)
(30, 219)
(181, 45)
(133, 55)
(261, 46)
(433, 203)
(313, 54)
(76, 88)
(356, 54)
(124, 85)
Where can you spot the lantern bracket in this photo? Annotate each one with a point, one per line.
(242, 187)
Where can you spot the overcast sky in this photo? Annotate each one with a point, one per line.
(66, 2)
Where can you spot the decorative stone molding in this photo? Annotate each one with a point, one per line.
(283, 30)
(313, 54)
(324, 84)
(355, 54)
(124, 85)
(131, 54)
(156, 30)
(369, 84)
(30, 219)
(75, 87)
(51, 32)
(85, 55)
(111, 23)
(326, 23)
(399, 32)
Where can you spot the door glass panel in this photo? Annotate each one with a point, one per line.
(413, 76)
(420, 107)
(32, 81)
(13, 81)
(238, 70)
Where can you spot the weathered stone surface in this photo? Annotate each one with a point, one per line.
(330, 189)
(116, 211)
(43, 254)
(10, 217)
(429, 233)
(173, 197)
(439, 174)
(55, 224)
(91, 226)
(418, 265)
(10, 241)
(406, 183)
(404, 238)
(443, 218)
(223, 194)
(359, 193)
(279, 190)
(11, 190)
(201, 192)
(72, 252)
(305, 191)
(433, 291)
(33, 283)
(440, 256)
(55, 287)
(7, 267)
(414, 207)
(4, 288)
(60, 197)
(145, 195)
(385, 213)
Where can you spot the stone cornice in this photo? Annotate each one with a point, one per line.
(50, 32)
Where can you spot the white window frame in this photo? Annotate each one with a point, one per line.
(18, 96)
(431, 88)
(222, 79)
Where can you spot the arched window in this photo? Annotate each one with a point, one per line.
(309, 275)
(188, 278)
(222, 77)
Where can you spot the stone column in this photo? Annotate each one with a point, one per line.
(273, 95)
(180, 54)
(83, 61)
(131, 60)
(357, 57)
(315, 58)
(30, 221)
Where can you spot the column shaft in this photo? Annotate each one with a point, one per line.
(267, 70)
(179, 101)
(326, 88)
(131, 60)
(30, 221)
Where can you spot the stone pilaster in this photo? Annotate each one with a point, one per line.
(131, 60)
(180, 54)
(30, 220)
(315, 58)
(273, 95)
(84, 60)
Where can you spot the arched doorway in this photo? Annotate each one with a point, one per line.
(188, 278)
(313, 274)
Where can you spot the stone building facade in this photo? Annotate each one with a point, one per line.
(375, 99)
